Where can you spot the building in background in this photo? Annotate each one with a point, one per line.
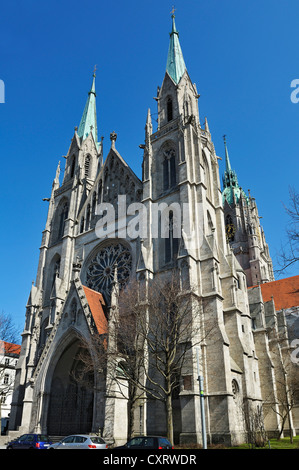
(9, 354)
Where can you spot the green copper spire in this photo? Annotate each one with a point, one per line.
(89, 118)
(175, 61)
(227, 162)
(231, 189)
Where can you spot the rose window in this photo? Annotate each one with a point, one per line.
(100, 272)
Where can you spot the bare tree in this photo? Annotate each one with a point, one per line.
(287, 397)
(286, 379)
(151, 339)
(8, 330)
(290, 253)
(256, 435)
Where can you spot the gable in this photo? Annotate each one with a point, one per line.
(115, 178)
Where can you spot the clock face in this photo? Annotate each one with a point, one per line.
(101, 270)
(230, 230)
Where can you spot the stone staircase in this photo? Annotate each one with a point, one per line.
(11, 435)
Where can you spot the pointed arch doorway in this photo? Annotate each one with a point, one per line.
(71, 402)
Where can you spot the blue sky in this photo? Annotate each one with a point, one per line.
(241, 55)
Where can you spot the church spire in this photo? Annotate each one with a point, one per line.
(227, 162)
(231, 189)
(89, 118)
(175, 62)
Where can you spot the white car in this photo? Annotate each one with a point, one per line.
(80, 441)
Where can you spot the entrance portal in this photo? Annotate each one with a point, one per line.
(71, 402)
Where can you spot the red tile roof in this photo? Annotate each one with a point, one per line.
(284, 291)
(9, 348)
(96, 302)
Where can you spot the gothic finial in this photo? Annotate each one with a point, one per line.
(113, 137)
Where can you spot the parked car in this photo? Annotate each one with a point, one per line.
(30, 441)
(147, 442)
(80, 441)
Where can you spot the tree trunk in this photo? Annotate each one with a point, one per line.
(169, 418)
(130, 415)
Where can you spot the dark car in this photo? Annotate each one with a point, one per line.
(147, 442)
(30, 441)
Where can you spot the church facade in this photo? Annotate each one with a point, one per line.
(221, 252)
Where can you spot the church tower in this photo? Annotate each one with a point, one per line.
(181, 175)
(243, 229)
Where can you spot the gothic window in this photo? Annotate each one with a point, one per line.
(169, 110)
(87, 166)
(101, 270)
(87, 217)
(73, 161)
(100, 192)
(185, 275)
(94, 202)
(82, 225)
(207, 180)
(169, 169)
(28, 315)
(235, 388)
(172, 242)
(62, 218)
(52, 313)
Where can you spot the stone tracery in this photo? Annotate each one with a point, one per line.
(101, 270)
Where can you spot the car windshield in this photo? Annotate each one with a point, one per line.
(97, 440)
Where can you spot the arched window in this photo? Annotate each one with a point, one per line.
(87, 166)
(73, 162)
(82, 225)
(172, 242)
(185, 275)
(207, 180)
(94, 202)
(169, 110)
(100, 192)
(169, 170)
(62, 218)
(87, 217)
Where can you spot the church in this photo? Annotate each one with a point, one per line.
(223, 253)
